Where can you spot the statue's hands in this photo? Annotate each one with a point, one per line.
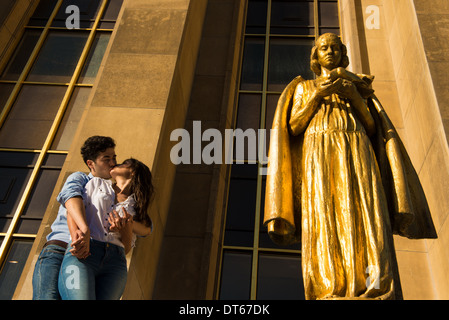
(348, 90)
(337, 73)
(326, 87)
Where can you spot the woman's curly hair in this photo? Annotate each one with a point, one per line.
(142, 187)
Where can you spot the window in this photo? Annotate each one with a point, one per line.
(44, 88)
(279, 36)
(30, 119)
(12, 269)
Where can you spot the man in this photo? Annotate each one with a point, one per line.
(98, 153)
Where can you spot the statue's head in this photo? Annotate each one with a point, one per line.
(338, 57)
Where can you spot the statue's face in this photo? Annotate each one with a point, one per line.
(329, 52)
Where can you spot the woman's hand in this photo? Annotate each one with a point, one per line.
(117, 223)
(123, 225)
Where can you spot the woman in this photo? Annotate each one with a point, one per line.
(102, 275)
(324, 186)
(343, 197)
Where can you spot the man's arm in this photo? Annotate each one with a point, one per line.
(79, 231)
(71, 198)
(73, 187)
(75, 209)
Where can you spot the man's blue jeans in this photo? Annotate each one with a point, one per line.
(101, 276)
(46, 273)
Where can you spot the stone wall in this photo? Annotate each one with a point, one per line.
(405, 55)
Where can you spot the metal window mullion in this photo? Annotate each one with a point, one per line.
(255, 261)
(57, 152)
(24, 235)
(20, 150)
(277, 250)
(339, 19)
(62, 84)
(237, 248)
(255, 258)
(316, 18)
(47, 144)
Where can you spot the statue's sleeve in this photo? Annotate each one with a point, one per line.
(280, 217)
(410, 214)
(300, 113)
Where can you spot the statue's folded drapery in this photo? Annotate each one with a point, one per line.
(341, 194)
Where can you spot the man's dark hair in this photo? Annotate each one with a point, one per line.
(94, 145)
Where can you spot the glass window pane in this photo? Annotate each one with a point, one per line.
(241, 205)
(13, 182)
(4, 224)
(17, 159)
(31, 117)
(272, 101)
(5, 91)
(40, 195)
(328, 14)
(59, 56)
(331, 30)
(288, 59)
(279, 278)
(21, 55)
(71, 118)
(292, 17)
(256, 20)
(235, 276)
(112, 10)
(94, 58)
(42, 13)
(54, 160)
(248, 117)
(252, 69)
(248, 114)
(106, 25)
(28, 226)
(12, 269)
(88, 12)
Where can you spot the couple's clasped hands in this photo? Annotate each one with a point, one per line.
(81, 243)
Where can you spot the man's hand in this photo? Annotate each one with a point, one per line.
(81, 244)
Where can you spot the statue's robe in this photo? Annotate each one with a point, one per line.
(342, 194)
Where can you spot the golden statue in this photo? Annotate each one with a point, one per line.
(340, 181)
